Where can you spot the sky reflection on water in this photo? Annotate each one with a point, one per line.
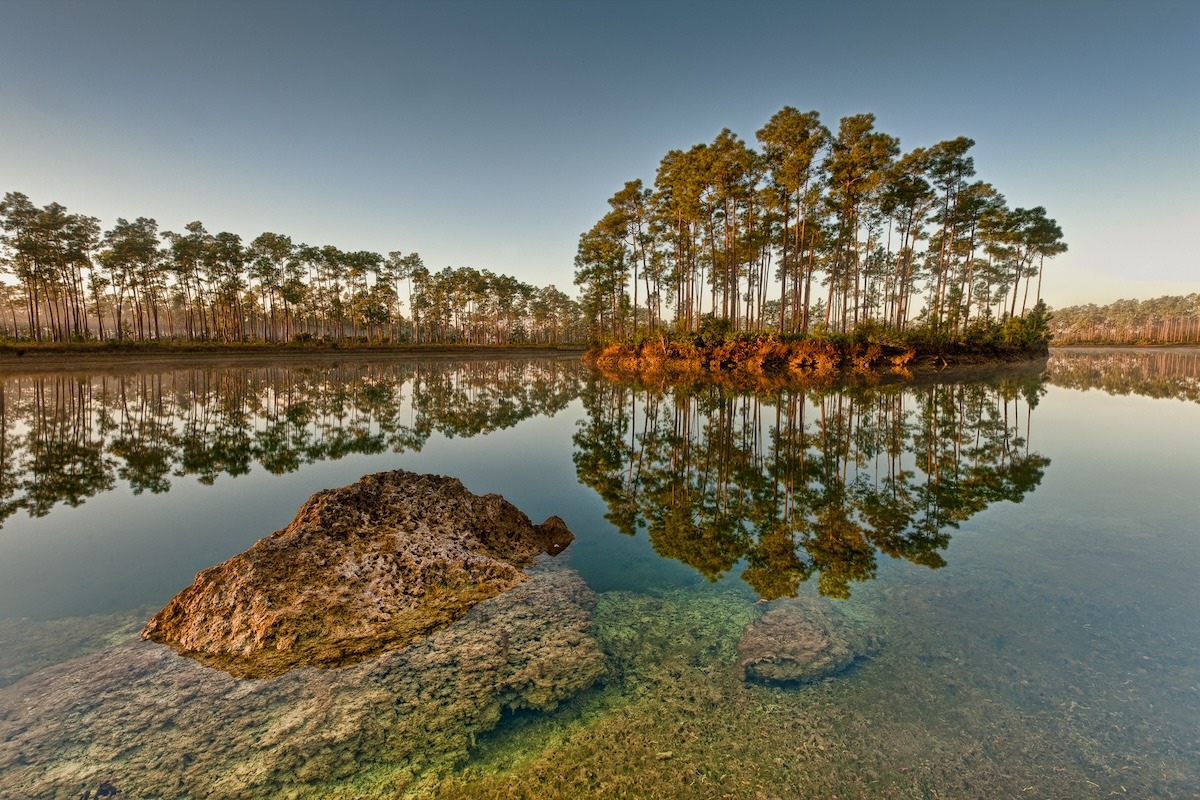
(1058, 647)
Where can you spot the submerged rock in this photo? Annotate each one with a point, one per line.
(799, 641)
(163, 726)
(361, 569)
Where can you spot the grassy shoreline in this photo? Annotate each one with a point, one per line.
(37, 356)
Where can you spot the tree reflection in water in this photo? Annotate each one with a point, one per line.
(1171, 372)
(67, 437)
(803, 483)
(794, 484)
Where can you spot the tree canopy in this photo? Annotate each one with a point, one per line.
(813, 229)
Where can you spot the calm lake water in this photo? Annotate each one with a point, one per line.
(1021, 549)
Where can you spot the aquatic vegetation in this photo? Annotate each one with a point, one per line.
(933, 715)
(28, 645)
(170, 727)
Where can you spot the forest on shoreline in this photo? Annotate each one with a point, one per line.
(134, 282)
(1171, 319)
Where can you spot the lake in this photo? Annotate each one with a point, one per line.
(1012, 557)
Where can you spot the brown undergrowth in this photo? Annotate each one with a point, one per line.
(768, 362)
(753, 363)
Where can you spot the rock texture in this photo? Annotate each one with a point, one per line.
(153, 724)
(361, 569)
(798, 641)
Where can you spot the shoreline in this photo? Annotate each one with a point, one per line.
(38, 358)
(66, 357)
(771, 362)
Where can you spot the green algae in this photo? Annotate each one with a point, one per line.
(982, 688)
(28, 645)
(942, 712)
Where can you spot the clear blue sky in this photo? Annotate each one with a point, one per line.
(491, 134)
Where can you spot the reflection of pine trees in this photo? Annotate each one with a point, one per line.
(802, 483)
(1167, 373)
(67, 463)
(64, 438)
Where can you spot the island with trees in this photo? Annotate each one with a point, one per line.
(818, 248)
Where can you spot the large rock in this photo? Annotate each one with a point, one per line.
(798, 641)
(361, 569)
(154, 724)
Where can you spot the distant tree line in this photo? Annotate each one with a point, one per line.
(1163, 320)
(133, 281)
(815, 229)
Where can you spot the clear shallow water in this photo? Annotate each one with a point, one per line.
(1054, 653)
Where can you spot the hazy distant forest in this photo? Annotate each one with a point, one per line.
(1173, 319)
(135, 282)
(815, 230)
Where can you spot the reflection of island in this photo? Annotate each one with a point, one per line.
(1171, 373)
(64, 438)
(801, 484)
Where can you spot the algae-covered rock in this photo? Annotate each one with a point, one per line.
(158, 725)
(799, 641)
(29, 645)
(367, 567)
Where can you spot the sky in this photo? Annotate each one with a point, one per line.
(491, 134)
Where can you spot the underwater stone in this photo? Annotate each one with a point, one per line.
(361, 569)
(798, 642)
(169, 727)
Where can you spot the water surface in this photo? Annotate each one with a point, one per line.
(1024, 549)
